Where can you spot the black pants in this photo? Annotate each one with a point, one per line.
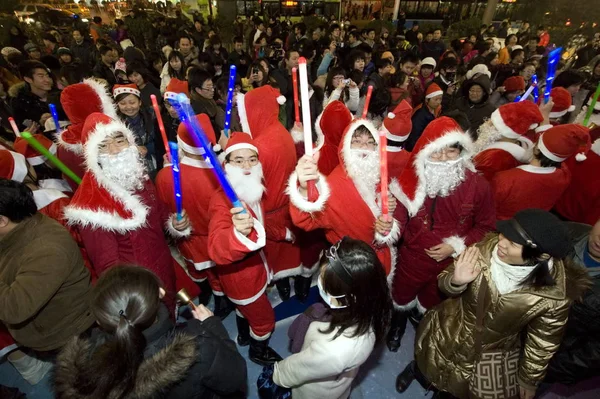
(425, 383)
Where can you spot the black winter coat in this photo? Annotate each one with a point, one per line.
(477, 113)
(420, 119)
(28, 106)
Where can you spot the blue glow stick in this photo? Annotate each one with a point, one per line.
(54, 116)
(536, 90)
(229, 106)
(176, 177)
(553, 58)
(186, 115)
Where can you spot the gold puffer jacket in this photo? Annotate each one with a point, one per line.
(444, 346)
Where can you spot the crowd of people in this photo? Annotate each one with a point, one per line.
(486, 236)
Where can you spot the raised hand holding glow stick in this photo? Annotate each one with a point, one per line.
(296, 103)
(229, 105)
(367, 101)
(588, 113)
(14, 126)
(161, 125)
(54, 114)
(176, 178)
(383, 165)
(186, 115)
(44, 151)
(553, 59)
(306, 121)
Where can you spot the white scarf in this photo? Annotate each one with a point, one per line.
(508, 278)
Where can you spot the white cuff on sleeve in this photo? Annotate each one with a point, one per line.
(302, 203)
(456, 242)
(248, 243)
(392, 237)
(173, 231)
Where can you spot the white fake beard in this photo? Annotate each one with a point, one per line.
(247, 184)
(486, 134)
(125, 168)
(363, 168)
(443, 177)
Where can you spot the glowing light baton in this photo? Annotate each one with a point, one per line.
(44, 151)
(553, 59)
(526, 95)
(383, 165)
(306, 121)
(186, 115)
(54, 114)
(588, 113)
(14, 126)
(176, 178)
(229, 106)
(367, 101)
(536, 89)
(161, 125)
(296, 102)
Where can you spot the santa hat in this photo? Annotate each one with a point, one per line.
(79, 101)
(260, 103)
(398, 124)
(121, 65)
(13, 166)
(31, 154)
(433, 90)
(176, 87)
(331, 123)
(188, 144)
(239, 141)
(126, 89)
(439, 134)
(563, 141)
(562, 102)
(99, 202)
(514, 83)
(514, 120)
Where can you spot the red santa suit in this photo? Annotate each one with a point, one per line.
(511, 121)
(397, 126)
(581, 200)
(198, 184)
(340, 208)
(530, 186)
(459, 219)
(259, 116)
(79, 101)
(118, 226)
(242, 266)
(331, 124)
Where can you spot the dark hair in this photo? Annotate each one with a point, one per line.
(365, 48)
(301, 27)
(238, 39)
(104, 49)
(544, 160)
(510, 37)
(196, 78)
(354, 34)
(383, 62)
(184, 36)
(357, 76)
(568, 78)
(429, 32)
(367, 296)
(398, 78)
(140, 68)
(258, 65)
(173, 73)
(448, 63)
(16, 201)
(410, 57)
(354, 56)
(27, 68)
(516, 52)
(329, 81)
(50, 37)
(460, 118)
(540, 276)
(370, 30)
(124, 302)
(97, 19)
(73, 73)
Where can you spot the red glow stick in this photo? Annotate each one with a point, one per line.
(367, 101)
(161, 126)
(14, 126)
(383, 164)
(296, 102)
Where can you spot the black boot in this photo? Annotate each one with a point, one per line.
(283, 287)
(302, 287)
(397, 328)
(205, 292)
(406, 377)
(415, 317)
(261, 353)
(243, 338)
(223, 306)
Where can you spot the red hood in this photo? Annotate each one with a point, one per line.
(259, 109)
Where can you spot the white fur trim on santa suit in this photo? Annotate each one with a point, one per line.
(457, 243)
(207, 264)
(110, 221)
(196, 163)
(596, 147)
(106, 102)
(74, 148)
(298, 270)
(240, 146)
(450, 138)
(544, 150)
(519, 153)
(173, 231)
(19, 168)
(46, 196)
(302, 203)
(248, 243)
(259, 337)
(297, 134)
(506, 131)
(543, 128)
(422, 309)
(539, 170)
(403, 308)
(241, 105)
(392, 237)
(435, 94)
(188, 148)
(126, 90)
(558, 114)
(40, 159)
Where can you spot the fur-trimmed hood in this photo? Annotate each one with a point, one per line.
(155, 375)
(259, 109)
(346, 141)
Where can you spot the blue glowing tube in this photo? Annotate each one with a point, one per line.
(176, 177)
(229, 107)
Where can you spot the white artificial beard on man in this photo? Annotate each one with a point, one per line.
(486, 134)
(443, 177)
(363, 168)
(247, 183)
(125, 168)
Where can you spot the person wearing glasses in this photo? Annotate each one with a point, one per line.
(202, 93)
(510, 296)
(236, 239)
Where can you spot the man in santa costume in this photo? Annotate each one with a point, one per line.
(79, 101)
(198, 184)
(351, 189)
(117, 211)
(259, 116)
(502, 141)
(543, 181)
(397, 126)
(237, 237)
(445, 206)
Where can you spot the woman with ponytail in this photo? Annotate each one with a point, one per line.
(509, 302)
(137, 352)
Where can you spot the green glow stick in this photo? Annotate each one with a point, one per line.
(590, 109)
(42, 150)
